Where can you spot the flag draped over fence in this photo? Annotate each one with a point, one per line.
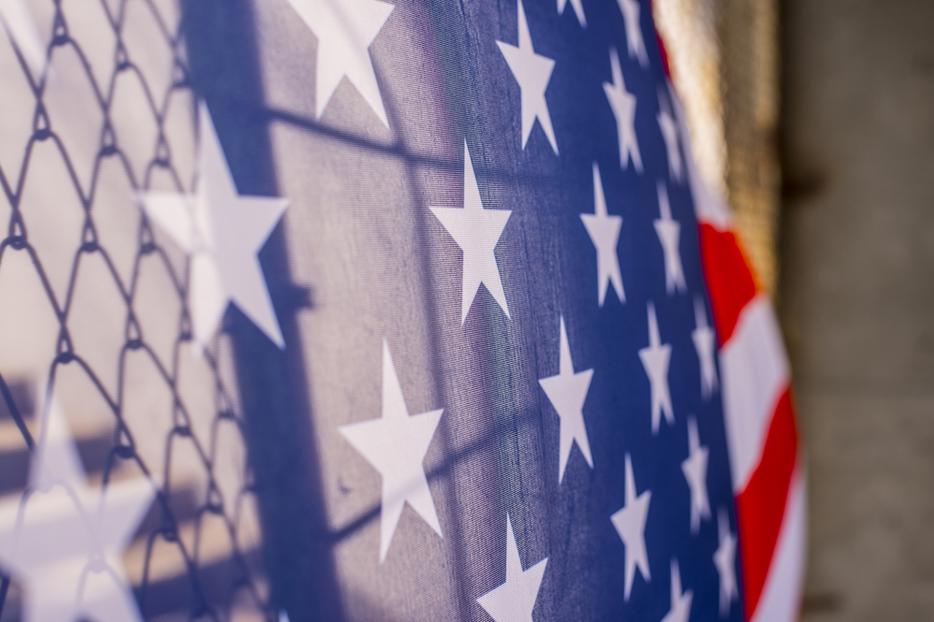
(497, 352)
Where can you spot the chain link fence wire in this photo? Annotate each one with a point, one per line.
(93, 301)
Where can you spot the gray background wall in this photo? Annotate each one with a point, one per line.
(857, 297)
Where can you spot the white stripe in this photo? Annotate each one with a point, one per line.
(755, 373)
(781, 594)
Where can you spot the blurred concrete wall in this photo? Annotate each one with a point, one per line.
(858, 297)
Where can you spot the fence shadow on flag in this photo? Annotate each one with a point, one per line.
(284, 434)
(275, 397)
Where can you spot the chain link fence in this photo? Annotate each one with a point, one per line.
(93, 301)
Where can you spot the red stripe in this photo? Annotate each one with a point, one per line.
(760, 507)
(729, 279)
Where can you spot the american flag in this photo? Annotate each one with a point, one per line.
(498, 352)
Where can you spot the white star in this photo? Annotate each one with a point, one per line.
(578, 6)
(476, 231)
(680, 601)
(345, 29)
(695, 472)
(395, 445)
(222, 232)
(604, 233)
(623, 104)
(725, 560)
(703, 337)
(22, 31)
(629, 522)
(655, 359)
(669, 235)
(669, 129)
(514, 600)
(532, 71)
(634, 41)
(567, 392)
(64, 540)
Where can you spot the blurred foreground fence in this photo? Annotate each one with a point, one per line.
(92, 302)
